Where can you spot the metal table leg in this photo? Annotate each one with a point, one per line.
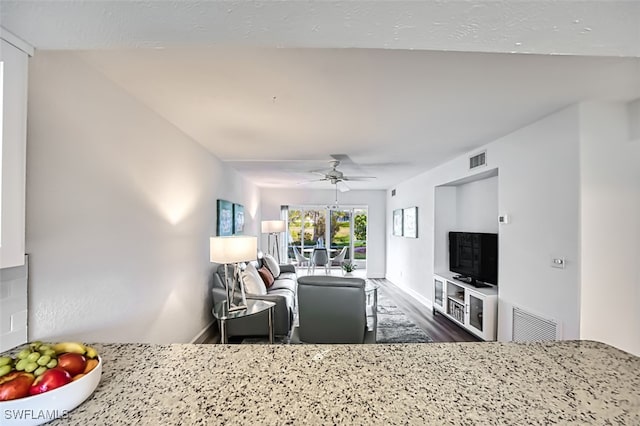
(271, 325)
(223, 330)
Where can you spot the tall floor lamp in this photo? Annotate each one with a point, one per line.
(233, 250)
(273, 228)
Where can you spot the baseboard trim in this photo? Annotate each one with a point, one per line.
(205, 334)
(421, 299)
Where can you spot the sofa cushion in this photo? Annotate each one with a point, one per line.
(252, 282)
(287, 275)
(272, 264)
(287, 294)
(267, 277)
(283, 283)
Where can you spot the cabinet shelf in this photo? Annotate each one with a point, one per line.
(459, 300)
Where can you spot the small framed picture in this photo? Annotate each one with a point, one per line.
(397, 222)
(238, 219)
(410, 222)
(224, 226)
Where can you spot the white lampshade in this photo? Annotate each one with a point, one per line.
(233, 249)
(270, 226)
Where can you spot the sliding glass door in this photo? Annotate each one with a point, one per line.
(360, 236)
(310, 227)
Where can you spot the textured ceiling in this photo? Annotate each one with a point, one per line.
(420, 83)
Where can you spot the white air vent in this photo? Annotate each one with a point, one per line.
(478, 160)
(528, 327)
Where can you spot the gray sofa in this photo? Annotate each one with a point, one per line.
(333, 310)
(282, 292)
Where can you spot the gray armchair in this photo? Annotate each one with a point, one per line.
(332, 310)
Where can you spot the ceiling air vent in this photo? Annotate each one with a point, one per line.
(478, 160)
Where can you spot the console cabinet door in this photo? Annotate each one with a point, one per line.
(475, 313)
(439, 292)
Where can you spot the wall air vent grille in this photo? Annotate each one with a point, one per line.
(478, 160)
(530, 328)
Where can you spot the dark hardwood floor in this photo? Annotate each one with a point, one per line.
(438, 327)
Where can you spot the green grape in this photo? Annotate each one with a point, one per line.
(33, 356)
(4, 370)
(24, 353)
(20, 365)
(30, 367)
(5, 360)
(39, 371)
(52, 363)
(43, 360)
(43, 348)
(49, 352)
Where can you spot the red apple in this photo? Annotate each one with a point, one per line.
(49, 380)
(72, 362)
(15, 385)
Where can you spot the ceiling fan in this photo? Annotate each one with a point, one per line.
(337, 177)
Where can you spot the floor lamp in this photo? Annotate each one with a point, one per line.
(233, 250)
(273, 228)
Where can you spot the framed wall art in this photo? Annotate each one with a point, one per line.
(238, 219)
(397, 222)
(410, 222)
(224, 226)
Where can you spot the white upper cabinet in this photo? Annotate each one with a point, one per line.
(13, 122)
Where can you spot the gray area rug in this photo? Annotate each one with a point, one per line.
(394, 326)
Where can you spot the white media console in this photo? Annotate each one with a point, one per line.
(475, 309)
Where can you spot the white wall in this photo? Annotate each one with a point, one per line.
(539, 188)
(610, 208)
(273, 198)
(120, 207)
(477, 206)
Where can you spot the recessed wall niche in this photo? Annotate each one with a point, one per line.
(468, 205)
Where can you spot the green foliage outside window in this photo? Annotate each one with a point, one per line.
(360, 224)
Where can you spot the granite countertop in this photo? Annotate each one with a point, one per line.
(449, 383)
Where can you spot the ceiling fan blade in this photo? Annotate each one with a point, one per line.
(358, 178)
(311, 181)
(342, 187)
(342, 158)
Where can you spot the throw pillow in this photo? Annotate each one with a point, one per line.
(272, 264)
(252, 282)
(266, 276)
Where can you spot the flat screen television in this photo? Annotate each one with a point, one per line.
(474, 255)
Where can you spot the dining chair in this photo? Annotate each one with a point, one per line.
(319, 257)
(338, 260)
(300, 258)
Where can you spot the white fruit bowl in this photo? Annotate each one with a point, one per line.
(47, 406)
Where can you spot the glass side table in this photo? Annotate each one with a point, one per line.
(222, 314)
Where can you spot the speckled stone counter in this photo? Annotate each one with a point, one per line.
(449, 383)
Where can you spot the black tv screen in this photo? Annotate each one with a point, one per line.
(474, 255)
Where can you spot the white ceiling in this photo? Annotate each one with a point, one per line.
(213, 70)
